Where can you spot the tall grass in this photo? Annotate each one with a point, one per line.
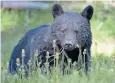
(102, 71)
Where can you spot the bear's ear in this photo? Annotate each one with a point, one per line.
(57, 10)
(87, 12)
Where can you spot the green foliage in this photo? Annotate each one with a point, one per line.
(102, 71)
(105, 18)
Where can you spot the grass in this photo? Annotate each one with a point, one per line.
(102, 72)
(103, 67)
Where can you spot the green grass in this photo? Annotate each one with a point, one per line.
(102, 71)
(102, 25)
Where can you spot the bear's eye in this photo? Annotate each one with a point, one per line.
(63, 30)
(76, 31)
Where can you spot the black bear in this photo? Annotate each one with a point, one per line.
(24, 43)
(70, 30)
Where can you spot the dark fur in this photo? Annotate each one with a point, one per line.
(68, 29)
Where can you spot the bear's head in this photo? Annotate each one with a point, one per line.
(71, 28)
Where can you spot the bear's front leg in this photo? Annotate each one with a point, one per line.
(86, 59)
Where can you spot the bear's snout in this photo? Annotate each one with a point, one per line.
(68, 46)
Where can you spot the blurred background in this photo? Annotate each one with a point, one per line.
(19, 17)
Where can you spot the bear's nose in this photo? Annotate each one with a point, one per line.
(67, 46)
